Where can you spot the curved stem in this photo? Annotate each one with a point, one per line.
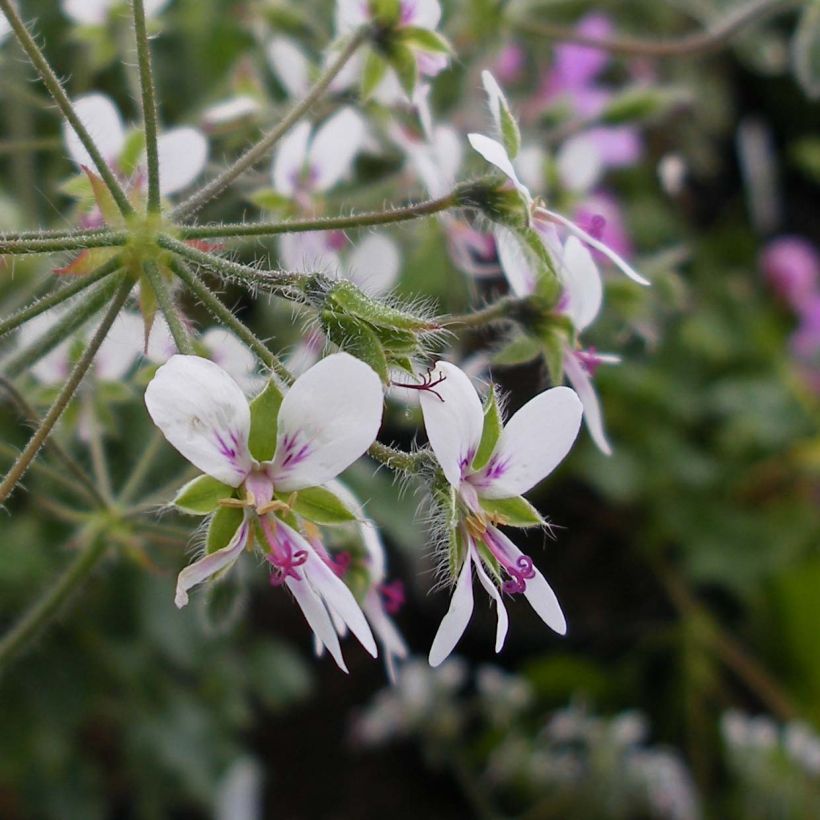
(182, 339)
(505, 308)
(698, 42)
(256, 152)
(76, 242)
(395, 459)
(241, 229)
(58, 296)
(56, 233)
(45, 427)
(55, 88)
(149, 105)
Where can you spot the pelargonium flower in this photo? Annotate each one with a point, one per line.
(264, 470)
(792, 266)
(488, 468)
(95, 12)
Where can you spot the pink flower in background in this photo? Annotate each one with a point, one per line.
(600, 214)
(792, 267)
(510, 63)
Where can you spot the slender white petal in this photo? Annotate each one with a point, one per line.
(327, 420)
(317, 617)
(350, 14)
(495, 153)
(207, 566)
(517, 262)
(308, 252)
(230, 111)
(202, 412)
(334, 147)
(161, 344)
(393, 645)
(291, 66)
(87, 12)
(289, 160)
(582, 283)
(233, 356)
(538, 592)
(102, 120)
(458, 615)
(453, 419)
(495, 97)
(374, 264)
(500, 609)
(183, 153)
(532, 444)
(593, 417)
(580, 163)
(120, 348)
(613, 257)
(421, 13)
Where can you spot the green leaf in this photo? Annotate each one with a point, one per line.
(424, 39)
(512, 512)
(519, 350)
(264, 413)
(320, 506)
(356, 338)
(493, 425)
(202, 495)
(224, 524)
(805, 50)
(375, 67)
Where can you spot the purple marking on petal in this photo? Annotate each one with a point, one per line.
(496, 467)
(293, 453)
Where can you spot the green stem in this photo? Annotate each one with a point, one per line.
(24, 146)
(44, 470)
(698, 42)
(62, 243)
(224, 315)
(56, 410)
(255, 153)
(72, 320)
(99, 462)
(141, 468)
(242, 229)
(397, 460)
(182, 339)
(505, 308)
(57, 233)
(52, 83)
(149, 105)
(46, 608)
(58, 296)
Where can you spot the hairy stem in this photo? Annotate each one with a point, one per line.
(45, 427)
(254, 229)
(182, 339)
(149, 105)
(256, 152)
(504, 308)
(395, 459)
(693, 44)
(55, 88)
(69, 242)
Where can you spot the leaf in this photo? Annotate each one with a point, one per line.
(519, 350)
(493, 424)
(225, 522)
(202, 495)
(320, 506)
(512, 512)
(375, 67)
(805, 50)
(264, 414)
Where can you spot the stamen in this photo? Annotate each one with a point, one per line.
(284, 568)
(427, 383)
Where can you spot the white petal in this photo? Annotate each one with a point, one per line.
(582, 281)
(530, 164)
(121, 347)
(517, 261)
(538, 592)
(333, 148)
(209, 565)
(291, 66)
(202, 412)
(230, 110)
(102, 120)
(580, 163)
(593, 418)
(87, 12)
(317, 617)
(374, 264)
(616, 260)
(532, 444)
(161, 344)
(5, 28)
(421, 13)
(55, 366)
(233, 356)
(308, 252)
(495, 96)
(289, 160)
(495, 153)
(350, 14)
(500, 609)
(458, 615)
(183, 153)
(327, 420)
(393, 645)
(453, 422)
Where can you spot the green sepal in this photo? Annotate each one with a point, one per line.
(132, 152)
(356, 338)
(267, 199)
(458, 551)
(510, 134)
(222, 528)
(375, 68)
(102, 196)
(518, 350)
(493, 425)
(386, 13)
(512, 512)
(403, 61)
(639, 104)
(320, 506)
(490, 562)
(553, 352)
(78, 187)
(397, 342)
(350, 299)
(202, 495)
(424, 39)
(264, 414)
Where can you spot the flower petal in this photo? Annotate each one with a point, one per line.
(102, 120)
(120, 348)
(327, 420)
(458, 615)
(333, 148)
(374, 265)
(500, 609)
(55, 366)
(87, 12)
(393, 645)
(593, 418)
(233, 356)
(183, 153)
(289, 160)
(495, 97)
(291, 66)
(209, 565)
(317, 617)
(532, 444)
(453, 419)
(495, 153)
(516, 261)
(580, 164)
(582, 282)
(421, 13)
(204, 414)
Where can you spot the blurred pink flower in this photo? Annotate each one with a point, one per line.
(792, 267)
(600, 215)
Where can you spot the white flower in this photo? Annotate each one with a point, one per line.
(5, 28)
(530, 446)
(95, 12)
(290, 65)
(327, 420)
(182, 151)
(230, 111)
